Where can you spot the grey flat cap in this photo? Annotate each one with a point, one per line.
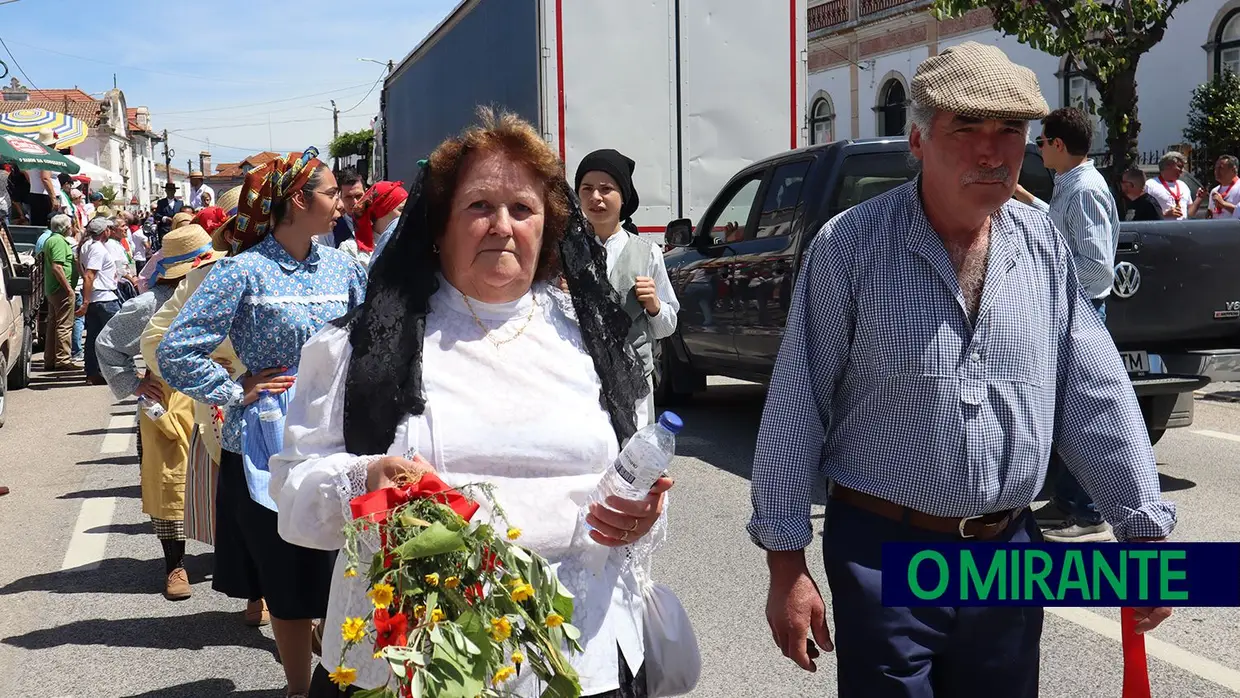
(977, 80)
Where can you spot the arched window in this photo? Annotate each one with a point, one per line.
(821, 120)
(892, 108)
(1227, 44)
(1080, 92)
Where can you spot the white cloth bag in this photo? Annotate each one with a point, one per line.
(673, 661)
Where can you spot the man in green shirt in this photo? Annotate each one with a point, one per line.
(59, 278)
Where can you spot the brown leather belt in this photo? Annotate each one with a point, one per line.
(984, 527)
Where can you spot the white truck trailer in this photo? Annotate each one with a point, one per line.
(692, 90)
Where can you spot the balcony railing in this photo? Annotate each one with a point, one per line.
(869, 7)
(828, 14)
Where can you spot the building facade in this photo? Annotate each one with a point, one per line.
(863, 53)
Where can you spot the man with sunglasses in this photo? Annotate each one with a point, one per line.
(1084, 211)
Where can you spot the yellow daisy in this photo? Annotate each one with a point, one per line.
(343, 676)
(353, 630)
(503, 675)
(381, 595)
(555, 620)
(501, 629)
(432, 579)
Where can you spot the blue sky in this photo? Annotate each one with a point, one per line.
(245, 75)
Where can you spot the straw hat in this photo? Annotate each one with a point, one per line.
(47, 137)
(228, 200)
(182, 219)
(186, 248)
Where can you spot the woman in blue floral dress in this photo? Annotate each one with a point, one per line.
(277, 290)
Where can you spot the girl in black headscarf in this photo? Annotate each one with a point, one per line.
(468, 354)
(634, 266)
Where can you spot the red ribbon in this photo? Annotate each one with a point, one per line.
(1136, 670)
(377, 504)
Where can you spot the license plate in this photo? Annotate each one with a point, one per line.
(1136, 361)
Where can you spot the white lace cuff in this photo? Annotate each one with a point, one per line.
(351, 482)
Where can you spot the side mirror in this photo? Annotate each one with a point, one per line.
(19, 286)
(679, 233)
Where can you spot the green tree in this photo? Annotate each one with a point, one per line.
(357, 143)
(1105, 38)
(1214, 123)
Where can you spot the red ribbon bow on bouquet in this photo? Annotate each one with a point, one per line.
(1136, 670)
(376, 505)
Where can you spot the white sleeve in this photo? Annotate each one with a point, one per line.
(664, 323)
(315, 477)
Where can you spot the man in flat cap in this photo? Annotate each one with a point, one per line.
(938, 347)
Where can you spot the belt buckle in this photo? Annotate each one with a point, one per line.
(965, 521)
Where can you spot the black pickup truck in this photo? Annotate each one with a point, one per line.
(1175, 290)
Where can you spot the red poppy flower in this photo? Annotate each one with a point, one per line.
(390, 629)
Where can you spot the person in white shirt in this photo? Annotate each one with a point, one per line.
(634, 266)
(487, 337)
(1172, 194)
(198, 190)
(1223, 201)
(100, 300)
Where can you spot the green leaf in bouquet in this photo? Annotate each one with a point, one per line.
(380, 692)
(473, 629)
(435, 540)
(563, 605)
(459, 676)
(408, 520)
(520, 553)
(571, 632)
(436, 635)
(562, 686)
(393, 653)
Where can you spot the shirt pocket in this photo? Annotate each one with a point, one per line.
(1019, 335)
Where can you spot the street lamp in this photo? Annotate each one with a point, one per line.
(386, 64)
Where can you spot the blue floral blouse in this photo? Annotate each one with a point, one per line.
(268, 304)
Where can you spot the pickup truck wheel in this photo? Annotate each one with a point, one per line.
(668, 374)
(20, 376)
(1156, 435)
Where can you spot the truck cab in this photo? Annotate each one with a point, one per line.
(734, 272)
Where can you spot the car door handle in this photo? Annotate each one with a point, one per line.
(1128, 247)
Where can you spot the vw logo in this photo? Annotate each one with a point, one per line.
(1127, 279)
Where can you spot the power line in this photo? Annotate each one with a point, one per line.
(19, 65)
(239, 147)
(259, 104)
(256, 123)
(144, 70)
(363, 99)
(218, 118)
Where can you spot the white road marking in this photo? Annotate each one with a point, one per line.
(1209, 670)
(120, 431)
(86, 549)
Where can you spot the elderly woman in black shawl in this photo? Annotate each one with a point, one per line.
(468, 353)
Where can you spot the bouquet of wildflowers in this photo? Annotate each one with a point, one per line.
(460, 610)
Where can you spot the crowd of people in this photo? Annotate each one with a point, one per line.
(491, 321)
(298, 286)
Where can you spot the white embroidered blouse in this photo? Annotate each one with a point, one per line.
(524, 415)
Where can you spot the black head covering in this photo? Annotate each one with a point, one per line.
(620, 167)
(384, 379)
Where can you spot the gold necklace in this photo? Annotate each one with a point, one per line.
(486, 331)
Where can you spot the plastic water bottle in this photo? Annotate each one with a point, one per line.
(153, 409)
(271, 419)
(645, 458)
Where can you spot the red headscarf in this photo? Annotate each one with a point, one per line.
(210, 218)
(378, 201)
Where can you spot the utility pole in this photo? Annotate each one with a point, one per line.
(335, 131)
(167, 159)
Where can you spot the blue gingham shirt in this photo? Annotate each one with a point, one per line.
(269, 304)
(1084, 211)
(885, 386)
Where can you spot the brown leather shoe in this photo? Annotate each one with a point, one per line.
(316, 639)
(95, 380)
(256, 614)
(177, 587)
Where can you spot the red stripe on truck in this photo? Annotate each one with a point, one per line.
(559, 73)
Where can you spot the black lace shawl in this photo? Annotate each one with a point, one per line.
(384, 379)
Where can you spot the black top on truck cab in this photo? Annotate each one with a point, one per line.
(734, 272)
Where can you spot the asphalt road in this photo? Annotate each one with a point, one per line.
(81, 571)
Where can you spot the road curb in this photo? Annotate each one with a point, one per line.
(1215, 397)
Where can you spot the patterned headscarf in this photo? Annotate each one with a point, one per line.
(265, 185)
(378, 201)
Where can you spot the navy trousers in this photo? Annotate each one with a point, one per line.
(921, 652)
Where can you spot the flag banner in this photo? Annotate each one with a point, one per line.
(1057, 574)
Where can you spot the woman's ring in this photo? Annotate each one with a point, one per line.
(636, 523)
(624, 536)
